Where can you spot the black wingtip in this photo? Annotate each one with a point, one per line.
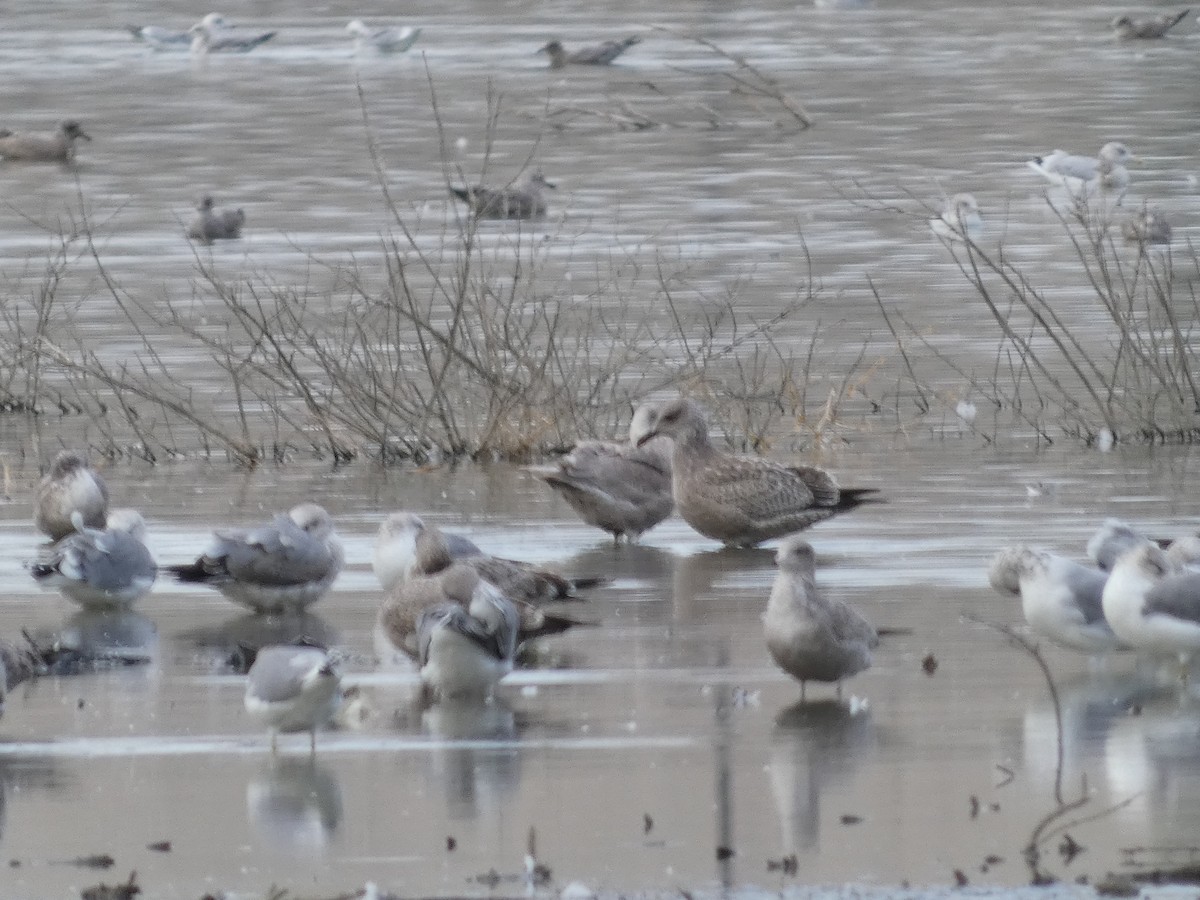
(849, 498)
(463, 194)
(191, 572)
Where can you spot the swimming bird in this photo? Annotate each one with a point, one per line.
(293, 688)
(738, 500)
(408, 547)
(521, 200)
(281, 567)
(1060, 598)
(382, 40)
(810, 636)
(161, 38)
(618, 487)
(1086, 174)
(70, 487)
(43, 146)
(598, 55)
(1147, 227)
(463, 651)
(1127, 28)
(1152, 607)
(211, 224)
(109, 569)
(213, 34)
(959, 217)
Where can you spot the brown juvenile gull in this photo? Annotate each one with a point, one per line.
(738, 500)
(1060, 598)
(810, 636)
(618, 487)
(71, 486)
(101, 569)
(521, 200)
(598, 55)
(400, 612)
(42, 146)
(293, 688)
(463, 651)
(281, 567)
(211, 224)
(1127, 28)
(408, 547)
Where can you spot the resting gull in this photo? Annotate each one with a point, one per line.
(598, 55)
(161, 38)
(382, 40)
(43, 146)
(1127, 28)
(211, 224)
(1153, 607)
(959, 217)
(293, 688)
(70, 487)
(810, 636)
(618, 487)
(464, 650)
(212, 34)
(738, 500)
(109, 569)
(1149, 226)
(522, 200)
(281, 567)
(1059, 597)
(408, 547)
(1086, 174)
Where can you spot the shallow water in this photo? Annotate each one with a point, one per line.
(639, 746)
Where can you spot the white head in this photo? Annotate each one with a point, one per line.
(395, 554)
(797, 556)
(1116, 154)
(128, 520)
(357, 27)
(312, 519)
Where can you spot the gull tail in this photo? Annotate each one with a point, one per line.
(849, 498)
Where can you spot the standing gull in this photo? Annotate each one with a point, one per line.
(109, 569)
(810, 636)
(382, 40)
(463, 651)
(1127, 28)
(618, 487)
(71, 486)
(1059, 597)
(281, 567)
(598, 55)
(293, 689)
(211, 224)
(522, 200)
(738, 500)
(1086, 174)
(959, 219)
(43, 146)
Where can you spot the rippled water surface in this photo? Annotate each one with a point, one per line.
(638, 747)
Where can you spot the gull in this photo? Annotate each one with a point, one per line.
(212, 34)
(1085, 174)
(281, 567)
(43, 146)
(598, 55)
(1147, 227)
(1115, 538)
(293, 689)
(160, 38)
(463, 651)
(521, 200)
(382, 40)
(1153, 607)
(1059, 597)
(108, 569)
(1127, 28)
(618, 487)
(407, 547)
(70, 487)
(738, 500)
(810, 636)
(959, 219)
(212, 224)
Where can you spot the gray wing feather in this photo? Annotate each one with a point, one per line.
(1177, 596)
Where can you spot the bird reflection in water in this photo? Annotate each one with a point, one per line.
(814, 747)
(294, 805)
(113, 636)
(474, 755)
(235, 642)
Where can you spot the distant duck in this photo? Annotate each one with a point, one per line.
(959, 217)
(1147, 227)
(1127, 28)
(1086, 174)
(522, 200)
(43, 146)
(211, 224)
(212, 34)
(382, 40)
(72, 492)
(160, 38)
(598, 55)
